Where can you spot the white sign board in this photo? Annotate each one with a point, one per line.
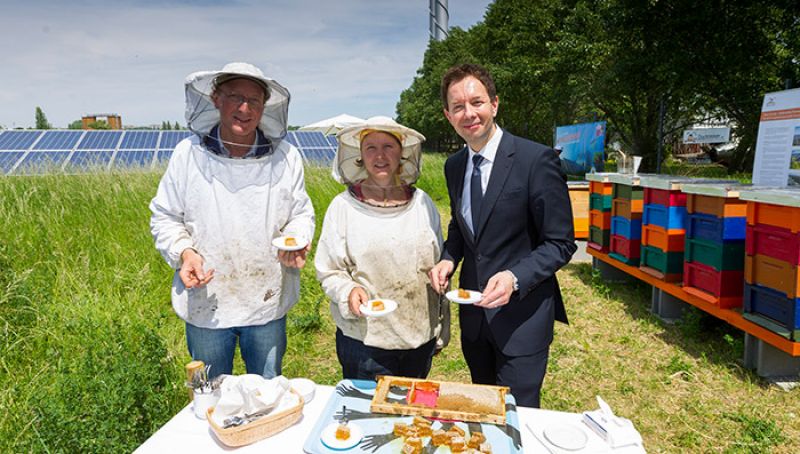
(777, 161)
(707, 135)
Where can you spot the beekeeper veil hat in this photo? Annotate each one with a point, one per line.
(202, 115)
(347, 165)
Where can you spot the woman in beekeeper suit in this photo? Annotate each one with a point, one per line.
(379, 239)
(228, 192)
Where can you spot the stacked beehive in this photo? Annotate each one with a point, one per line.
(579, 198)
(626, 218)
(772, 260)
(663, 228)
(715, 238)
(600, 195)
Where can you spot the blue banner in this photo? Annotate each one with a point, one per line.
(582, 147)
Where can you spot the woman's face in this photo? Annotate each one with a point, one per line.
(381, 152)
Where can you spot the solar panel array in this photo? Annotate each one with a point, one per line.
(77, 151)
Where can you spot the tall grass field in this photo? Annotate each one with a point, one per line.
(92, 355)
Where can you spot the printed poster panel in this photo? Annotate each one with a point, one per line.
(582, 146)
(777, 161)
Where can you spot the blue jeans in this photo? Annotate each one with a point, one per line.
(262, 347)
(363, 362)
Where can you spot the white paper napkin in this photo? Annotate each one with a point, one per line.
(243, 395)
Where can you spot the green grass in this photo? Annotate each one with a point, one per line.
(92, 355)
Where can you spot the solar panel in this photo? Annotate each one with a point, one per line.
(42, 162)
(8, 159)
(163, 156)
(291, 138)
(100, 140)
(133, 158)
(311, 139)
(139, 140)
(332, 140)
(18, 140)
(171, 138)
(318, 156)
(89, 160)
(58, 140)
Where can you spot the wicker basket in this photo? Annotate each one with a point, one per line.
(259, 429)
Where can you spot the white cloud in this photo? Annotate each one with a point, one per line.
(131, 57)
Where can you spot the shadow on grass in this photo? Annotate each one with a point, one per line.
(697, 333)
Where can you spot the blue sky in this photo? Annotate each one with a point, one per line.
(131, 57)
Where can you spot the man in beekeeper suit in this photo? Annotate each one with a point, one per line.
(231, 194)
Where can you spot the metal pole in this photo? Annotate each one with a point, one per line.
(439, 17)
(661, 113)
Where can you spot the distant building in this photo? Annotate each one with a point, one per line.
(114, 120)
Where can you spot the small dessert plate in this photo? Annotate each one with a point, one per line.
(280, 243)
(474, 297)
(388, 307)
(566, 436)
(328, 437)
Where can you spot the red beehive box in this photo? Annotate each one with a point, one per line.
(723, 288)
(664, 197)
(625, 247)
(773, 242)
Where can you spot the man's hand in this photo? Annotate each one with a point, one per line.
(358, 296)
(440, 274)
(294, 259)
(191, 272)
(498, 290)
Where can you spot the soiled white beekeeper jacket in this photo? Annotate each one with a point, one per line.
(230, 210)
(388, 252)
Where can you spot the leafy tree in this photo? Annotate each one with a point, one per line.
(77, 124)
(177, 126)
(41, 120)
(99, 124)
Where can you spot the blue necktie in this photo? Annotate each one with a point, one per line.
(476, 192)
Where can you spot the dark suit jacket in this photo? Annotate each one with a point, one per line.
(525, 226)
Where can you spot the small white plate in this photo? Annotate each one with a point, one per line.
(328, 437)
(280, 243)
(474, 297)
(566, 436)
(388, 307)
(304, 387)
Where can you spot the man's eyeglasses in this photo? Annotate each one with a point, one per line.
(239, 100)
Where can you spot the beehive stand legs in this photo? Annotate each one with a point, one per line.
(770, 362)
(667, 307)
(610, 273)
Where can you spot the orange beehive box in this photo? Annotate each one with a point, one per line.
(667, 240)
(786, 217)
(598, 187)
(627, 208)
(721, 207)
(773, 273)
(600, 219)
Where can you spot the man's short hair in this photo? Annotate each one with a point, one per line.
(460, 72)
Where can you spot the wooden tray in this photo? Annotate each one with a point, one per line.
(442, 400)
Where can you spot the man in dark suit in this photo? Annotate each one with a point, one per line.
(512, 227)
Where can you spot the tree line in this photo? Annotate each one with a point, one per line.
(560, 62)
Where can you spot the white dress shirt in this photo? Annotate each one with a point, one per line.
(488, 152)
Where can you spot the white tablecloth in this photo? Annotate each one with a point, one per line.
(186, 433)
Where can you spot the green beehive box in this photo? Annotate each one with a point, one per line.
(665, 262)
(600, 202)
(599, 236)
(626, 191)
(720, 256)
